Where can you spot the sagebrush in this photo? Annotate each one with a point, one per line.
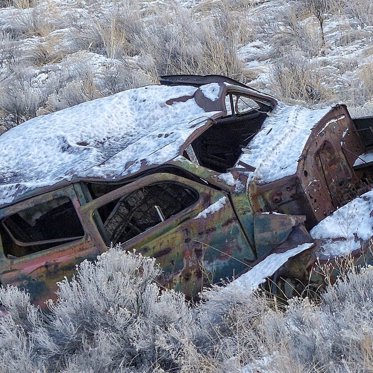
(112, 317)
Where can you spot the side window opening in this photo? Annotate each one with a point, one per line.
(237, 104)
(144, 208)
(229, 104)
(243, 104)
(40, 227)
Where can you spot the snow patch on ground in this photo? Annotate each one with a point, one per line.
(258, 366)
(254, 51)
(347, 228)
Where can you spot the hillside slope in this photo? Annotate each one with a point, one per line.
(57, 53)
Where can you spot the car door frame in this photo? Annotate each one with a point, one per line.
(189, 245)
(39, 272)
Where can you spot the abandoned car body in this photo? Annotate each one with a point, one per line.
(205, 174)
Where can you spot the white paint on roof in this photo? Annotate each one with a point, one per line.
(113, 136)
(275, 150)
(344, 231)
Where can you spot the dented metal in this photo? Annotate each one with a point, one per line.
(201, 214)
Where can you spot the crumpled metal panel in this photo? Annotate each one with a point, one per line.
(324, 180)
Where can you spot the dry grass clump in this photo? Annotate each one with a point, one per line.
(86, 83)
(294, 27)
(360, 10)
(335, 335)
(19, 98)
(9, 51)
(21, 4)
(42, 19)
(320, 33)
(179, 44)
(150, 39)
(116, 34)
(365, 74)
(296, 79)
(359, 91)
(138, 48)
(75, 92)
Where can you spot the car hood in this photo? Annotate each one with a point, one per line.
(275, 150)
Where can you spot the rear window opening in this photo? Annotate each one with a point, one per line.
(136, 212)
(220, 146)
(40, 227)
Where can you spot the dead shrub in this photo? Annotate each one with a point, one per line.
(44, 52)
(295, 29)
(295, 78)
(119, 76)
(22, 4)
(20, 99)
(178, 44)
(365, 74)
(115, 34)
(80, 89)
(41, 20)
(361, 11)
(319, 9)
(9, 50)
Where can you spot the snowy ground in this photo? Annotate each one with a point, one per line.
(62, 52)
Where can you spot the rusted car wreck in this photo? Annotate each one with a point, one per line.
(205, 174)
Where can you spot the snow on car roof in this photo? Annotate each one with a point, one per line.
(109, 138)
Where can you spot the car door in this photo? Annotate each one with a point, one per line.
(41, 241)
(189, 227)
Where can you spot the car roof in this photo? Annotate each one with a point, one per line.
(110, 138)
